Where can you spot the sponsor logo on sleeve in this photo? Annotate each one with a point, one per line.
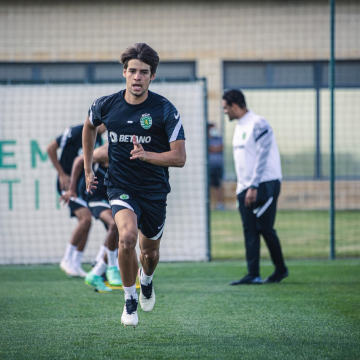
(177, 115)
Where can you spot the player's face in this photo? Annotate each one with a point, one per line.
(138, 77)
(230, 110)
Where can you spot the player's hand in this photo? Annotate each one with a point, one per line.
(65, 198)
(250, 197)
(91, 182)
(138, 152)
(64, 181)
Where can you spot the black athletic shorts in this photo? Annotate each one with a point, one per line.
(151, 214)
(97, 202)
(75, 203)
(97, 206)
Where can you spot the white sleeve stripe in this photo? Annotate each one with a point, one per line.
(91, 117)
(176, 131)
(64, 137)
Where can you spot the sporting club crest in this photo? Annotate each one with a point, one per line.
(146, 121)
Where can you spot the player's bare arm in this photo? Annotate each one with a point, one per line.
(64, 179)
(76, 171)
(176, 157)
(88, 139)
(101, 155)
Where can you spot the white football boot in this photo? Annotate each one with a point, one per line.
(147, 295)
(67, 268)
(129, 316)
(71, 270)
(79, 271)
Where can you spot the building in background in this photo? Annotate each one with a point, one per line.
(205, 33)
(277, 51)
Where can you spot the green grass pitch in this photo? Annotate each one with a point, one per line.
(313, 314)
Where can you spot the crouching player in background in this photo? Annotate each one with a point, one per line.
(70, 143)
(99, 206)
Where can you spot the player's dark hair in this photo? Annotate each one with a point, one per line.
(142, 52)
(235, 97)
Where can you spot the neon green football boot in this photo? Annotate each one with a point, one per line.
(96, 281)
(113, 276)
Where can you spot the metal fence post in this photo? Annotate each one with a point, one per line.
(332, 125)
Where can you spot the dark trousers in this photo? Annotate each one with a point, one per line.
(259, 219)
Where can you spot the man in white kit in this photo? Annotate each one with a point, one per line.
(258, 171)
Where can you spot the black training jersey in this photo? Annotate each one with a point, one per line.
(155, 122)
(70, 143)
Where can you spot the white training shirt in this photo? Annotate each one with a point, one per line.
(256, 155)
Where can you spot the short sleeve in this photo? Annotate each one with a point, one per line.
(173, 125)
(95, 112)
(76, 133)
(64, 137)
(58, 140)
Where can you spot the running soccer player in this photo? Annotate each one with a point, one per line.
(70, 143)
(145, 138)
(100, 209)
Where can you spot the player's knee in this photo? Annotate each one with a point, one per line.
(127, 240)
(85, 222)
(112, 229)
(150, 253)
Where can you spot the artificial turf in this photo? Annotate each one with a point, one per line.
(313, 314)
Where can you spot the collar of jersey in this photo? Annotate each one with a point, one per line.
(246, 116)
(122, 92)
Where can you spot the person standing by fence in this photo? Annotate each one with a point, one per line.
(258, 171)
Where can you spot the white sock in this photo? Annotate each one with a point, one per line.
(130, 291)
(100, 254)
(145, 279)
(77, 258)
(112, 257)
(99, 268)
(69, 252)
